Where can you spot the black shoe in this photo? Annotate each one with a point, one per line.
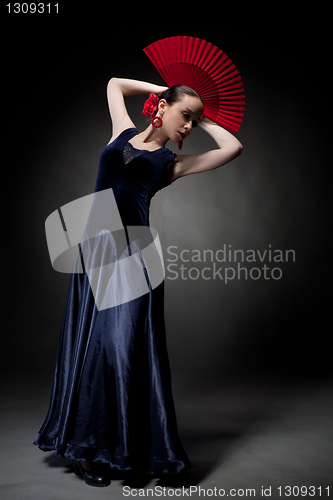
(92, 478)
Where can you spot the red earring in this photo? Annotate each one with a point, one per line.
(160, 121)
(180, 145)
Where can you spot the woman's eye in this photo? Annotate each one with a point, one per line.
(187, 117)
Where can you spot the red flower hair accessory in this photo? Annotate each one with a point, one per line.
(150, 106)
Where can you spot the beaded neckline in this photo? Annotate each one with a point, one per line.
(129, 152)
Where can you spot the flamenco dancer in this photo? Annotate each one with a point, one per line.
(111, 403)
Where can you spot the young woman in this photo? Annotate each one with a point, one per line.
(181, 110)
(111, 404)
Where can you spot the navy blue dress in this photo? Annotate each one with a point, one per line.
(111, 399)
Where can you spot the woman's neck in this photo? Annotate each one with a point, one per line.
(151, 137)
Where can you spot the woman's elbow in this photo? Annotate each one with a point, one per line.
(239, 149)
(112, 81)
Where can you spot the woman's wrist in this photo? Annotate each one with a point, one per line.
(206, 122)
(220, 135)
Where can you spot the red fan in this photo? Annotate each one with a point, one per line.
(185, 60)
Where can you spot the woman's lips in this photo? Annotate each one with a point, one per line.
(182, 135)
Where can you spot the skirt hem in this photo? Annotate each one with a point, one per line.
(118, 462)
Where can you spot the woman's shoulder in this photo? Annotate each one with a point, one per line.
(127, 133)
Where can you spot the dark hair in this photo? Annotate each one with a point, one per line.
(174, 94)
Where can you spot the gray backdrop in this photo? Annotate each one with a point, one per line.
(274, 196)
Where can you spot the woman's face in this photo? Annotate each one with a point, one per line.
(180, 118)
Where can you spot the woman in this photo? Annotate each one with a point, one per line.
(111, 403)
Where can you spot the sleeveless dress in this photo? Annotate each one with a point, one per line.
(111, 399)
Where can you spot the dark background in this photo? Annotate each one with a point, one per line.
(56, 123)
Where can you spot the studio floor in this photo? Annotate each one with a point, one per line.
(254, 438)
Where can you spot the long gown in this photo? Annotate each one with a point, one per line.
(111, 399)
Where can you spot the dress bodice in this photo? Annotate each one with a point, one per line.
(134, 175)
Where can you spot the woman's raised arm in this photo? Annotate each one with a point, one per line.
(229, 148)
(117, 89)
